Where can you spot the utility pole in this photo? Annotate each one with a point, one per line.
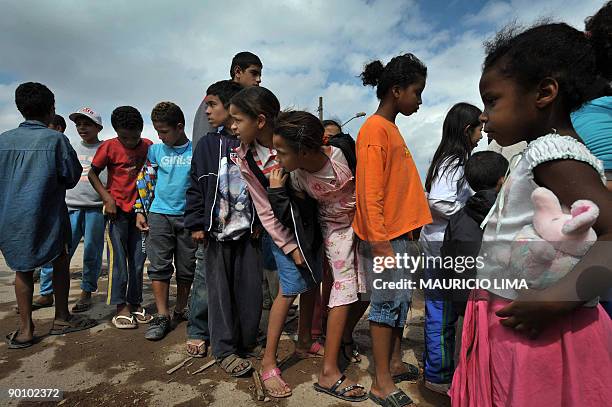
(320, 109)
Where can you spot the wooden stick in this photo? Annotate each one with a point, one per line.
(177, 367)
(206, 366)
(261, 395)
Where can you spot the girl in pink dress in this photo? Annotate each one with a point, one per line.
(549, 346)
(324, 174)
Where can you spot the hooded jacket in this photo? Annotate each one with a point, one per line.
(202, 193)
(463, 237)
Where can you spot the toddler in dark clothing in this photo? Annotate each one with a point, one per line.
(485, 172)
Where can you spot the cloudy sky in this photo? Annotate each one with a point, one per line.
(109, 53)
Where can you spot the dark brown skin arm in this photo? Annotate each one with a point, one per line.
(110, 207)
(570, 181)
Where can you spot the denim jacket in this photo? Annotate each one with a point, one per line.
(37, 165)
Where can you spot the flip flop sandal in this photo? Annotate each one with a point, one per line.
(333, 391)
(313, 352)
(231, 362)
(39, 305)
(15, 344)
(130, 325)
(81, 305)
(74, 324)
(396, 399)
(353, 356)
(142, 317)
(202, 351)
(411, 375)
(265, 376)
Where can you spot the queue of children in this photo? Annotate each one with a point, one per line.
(282, 184)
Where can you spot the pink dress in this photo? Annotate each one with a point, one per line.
(570, 362)
(334, 189)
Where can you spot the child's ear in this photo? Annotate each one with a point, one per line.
(180, 126)
(237, 72)
(261, 121)
(548, 89)
(396, 90)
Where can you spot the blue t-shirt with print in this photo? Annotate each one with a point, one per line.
(173, 165)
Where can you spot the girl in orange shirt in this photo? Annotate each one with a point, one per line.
(391, 204)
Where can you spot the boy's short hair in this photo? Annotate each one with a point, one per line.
(58, 121)
(484, 169)
(224, 90)
(244, 60)
(127, 117)
(34, 100)
(169, 113)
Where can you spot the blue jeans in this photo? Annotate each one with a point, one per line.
(388, 306)
(88, 223)
(197, 326)
(127, 258)
(440, 320)
(293, 280)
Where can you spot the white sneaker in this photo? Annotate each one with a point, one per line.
(441, 388)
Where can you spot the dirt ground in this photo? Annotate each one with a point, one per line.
(109, 367)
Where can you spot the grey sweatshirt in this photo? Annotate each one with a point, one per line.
(201, 126)
(84, 195)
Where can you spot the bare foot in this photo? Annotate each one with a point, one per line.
(196, 347)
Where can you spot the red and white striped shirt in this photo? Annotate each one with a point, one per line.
(265, 158)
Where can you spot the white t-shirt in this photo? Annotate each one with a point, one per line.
(447, 195)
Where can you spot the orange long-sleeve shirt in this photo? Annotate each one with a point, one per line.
(390, 196)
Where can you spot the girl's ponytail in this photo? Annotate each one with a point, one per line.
(372, 73)
(402, 70)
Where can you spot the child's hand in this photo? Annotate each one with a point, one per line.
(382, 249)
(297, 257)
(200, 236)
(278, 178)
(530, 316)
(110, 209)
(257, 232)
(141, 222)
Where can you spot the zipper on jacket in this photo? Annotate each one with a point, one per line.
(212, 210)
(252, 213)
(297, 239)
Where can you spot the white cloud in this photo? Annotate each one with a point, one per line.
(106, 54)
(492, 11)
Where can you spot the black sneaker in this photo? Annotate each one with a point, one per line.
(158, 328)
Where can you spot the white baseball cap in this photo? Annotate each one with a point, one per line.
(87, 112)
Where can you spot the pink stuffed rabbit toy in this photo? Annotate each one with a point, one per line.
(546, 251)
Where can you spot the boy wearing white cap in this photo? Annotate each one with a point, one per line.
(85, 211)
